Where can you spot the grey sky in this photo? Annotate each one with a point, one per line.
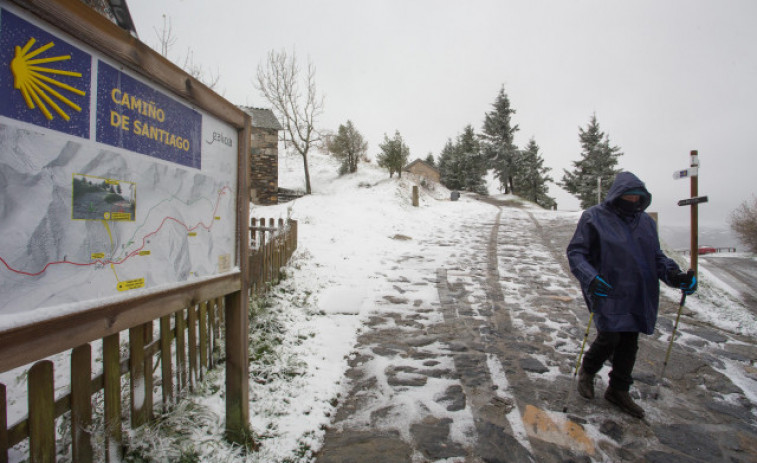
(663, 77)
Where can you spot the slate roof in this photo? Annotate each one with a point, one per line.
(262, 118)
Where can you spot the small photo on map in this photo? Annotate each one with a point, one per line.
(98, 198)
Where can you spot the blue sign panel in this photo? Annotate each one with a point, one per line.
(44, 80)
(136, 117)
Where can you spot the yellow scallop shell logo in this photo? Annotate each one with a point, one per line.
(36, 84)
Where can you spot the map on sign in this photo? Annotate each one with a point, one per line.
(109, 186)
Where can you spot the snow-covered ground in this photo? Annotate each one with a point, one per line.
(352, 232)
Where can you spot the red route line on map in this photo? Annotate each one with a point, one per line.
(132, 253)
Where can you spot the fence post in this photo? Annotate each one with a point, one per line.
(41, 412)
(253, 232)
(137, 373)
(165, 361)
(262, 253)
(203, 327)
(181, 359)
(81, 404)
(192, 345)
(211, 332)
(112, 374)
(148, 363)
(274, 239)
(3, 425)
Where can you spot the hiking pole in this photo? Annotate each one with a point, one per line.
(670, 345)
(578, 364)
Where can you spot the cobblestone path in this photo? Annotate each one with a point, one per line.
(471, 360)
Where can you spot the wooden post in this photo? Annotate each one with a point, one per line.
(416, 198)
(41, 412)
(192, 345)
(211, 331)
(221, 314)
(694, 214)
(148, 364)
(253, 232)
(203, 327)
(274, 240)
(137, 372)
(262, 253)
(165, 362)
(181, 353)
(3, 425)
(81, 404)
(112, 374)
(237, 369)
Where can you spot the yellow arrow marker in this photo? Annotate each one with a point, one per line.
(556, 430)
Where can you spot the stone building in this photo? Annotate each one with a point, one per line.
(423, 170)
(264, 156)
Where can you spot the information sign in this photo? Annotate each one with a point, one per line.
(110, 185)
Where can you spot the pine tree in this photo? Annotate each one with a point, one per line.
(349, 146)
(472, 162)
(449, 172)
(498, 141)
(462, 165)
(430, 159)
(394, 154)
(598, 160)
(534, 177)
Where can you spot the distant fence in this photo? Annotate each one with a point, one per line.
(717, 250)
(185, 345)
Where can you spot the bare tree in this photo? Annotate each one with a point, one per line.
(167, 40)
(278, 79)
(744, 222)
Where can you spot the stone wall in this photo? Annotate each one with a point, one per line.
(264, 166)
(423, 170)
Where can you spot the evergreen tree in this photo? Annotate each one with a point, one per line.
(498, 142)
(349, 146)
(430, 159)
(598, 160)
(449, 172)
(462, 165)
(534, 177)
(472, 162)
(394, 154)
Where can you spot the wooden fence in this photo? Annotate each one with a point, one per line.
(185, 345)
(271, 247)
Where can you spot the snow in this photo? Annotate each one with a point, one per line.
(358, 236)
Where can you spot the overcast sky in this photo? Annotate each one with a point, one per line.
(663, 77)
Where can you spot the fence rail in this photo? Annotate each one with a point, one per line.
(185, 344)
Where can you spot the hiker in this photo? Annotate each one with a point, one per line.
(615, 254)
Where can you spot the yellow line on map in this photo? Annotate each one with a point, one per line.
(113, 267)
(110, 236)
(107, 227)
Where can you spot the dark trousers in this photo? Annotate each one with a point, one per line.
(621, 347)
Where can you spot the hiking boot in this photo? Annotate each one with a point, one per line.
(624, 401)
(585, 384)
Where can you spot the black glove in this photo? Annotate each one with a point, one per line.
(685, 281)
(600, 287)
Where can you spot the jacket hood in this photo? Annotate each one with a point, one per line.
(625, 181)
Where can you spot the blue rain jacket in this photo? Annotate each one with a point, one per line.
(625, 249)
